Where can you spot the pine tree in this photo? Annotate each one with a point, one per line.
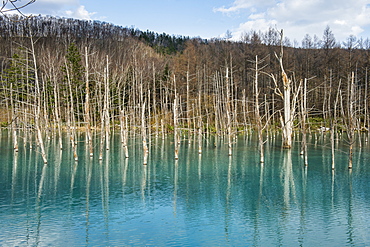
(73, 75)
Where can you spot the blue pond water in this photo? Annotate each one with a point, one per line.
(200, 200)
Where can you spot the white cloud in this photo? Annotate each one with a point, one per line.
(299, 17)
(356, 30)
(80, 13)
(238, 5)
(64, 8)
(256, 16)
(340, 22)
(256, 25)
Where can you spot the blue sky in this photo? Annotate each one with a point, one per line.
(212, 18)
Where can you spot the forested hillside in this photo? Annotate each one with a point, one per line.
(77, 70)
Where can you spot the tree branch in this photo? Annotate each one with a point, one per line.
(11, 5)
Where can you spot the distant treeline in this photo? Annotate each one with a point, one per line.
(82, 30)
(145, 67)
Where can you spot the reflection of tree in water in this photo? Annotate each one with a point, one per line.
(350, 228)
(287, 178)
(57, 169)
(175, 186)
(228, 209)
(104, 186)
(14, 174)
(259, 206)
(39, 202)
(143, 184)
(89, 165)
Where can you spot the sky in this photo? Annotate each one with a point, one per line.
(213, 18)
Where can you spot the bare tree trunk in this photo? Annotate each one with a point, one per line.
(175, 128)
(216, 105)
(289, 105)
(348, 119)
(72, 117)
(107, 105)
(57, 111)
(257, 113)
(288, 121)
(162, 128)
(332, 138)
(366, 119)
(244, 111)
(44, 113)
(304, 118)
(38, 104)
(124, 131)
(188, 106)
(13, 118)
(351, 119)
(87, 106)
(144, 135)
(155, 103)
(228, 113)
(200, 125)
(333, 128)
(102, 140)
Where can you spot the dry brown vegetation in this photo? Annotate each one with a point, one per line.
(71, 74)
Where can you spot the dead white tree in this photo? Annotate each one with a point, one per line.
(87, 106)
(333, 128)
(107, 104)
(349, 118)
(175, 127)
(288, 98)
(71, 115)
(124, 130)
(228, 113)
(200, 125)
(57, 108)
(14, 109)
(304, 116)
(260, 126)
(144, 135)
(38, 104)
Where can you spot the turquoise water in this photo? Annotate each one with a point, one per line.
(200, 200)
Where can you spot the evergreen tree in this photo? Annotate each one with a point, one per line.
(73, 78)
(73, 68)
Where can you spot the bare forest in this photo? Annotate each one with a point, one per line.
(64, 75)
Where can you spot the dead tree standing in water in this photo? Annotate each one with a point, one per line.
(289, 103)
(38, 104)
(175, 127)
(87, 106)
(260, 127)
(304, 115)
(350, 118)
